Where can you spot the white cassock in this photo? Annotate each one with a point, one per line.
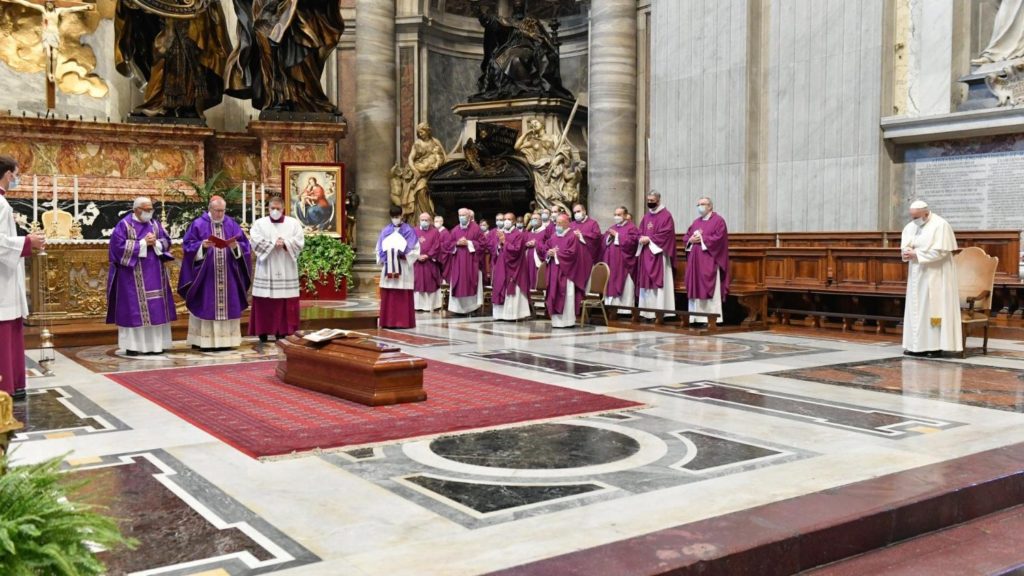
(931, 319)
(13, 301)
(277, 271)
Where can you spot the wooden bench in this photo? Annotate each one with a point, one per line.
(818, 317)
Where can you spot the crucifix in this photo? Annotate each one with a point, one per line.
(51, 11)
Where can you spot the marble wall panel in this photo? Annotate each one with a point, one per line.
(450, 80)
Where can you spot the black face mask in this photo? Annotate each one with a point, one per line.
(652, 205)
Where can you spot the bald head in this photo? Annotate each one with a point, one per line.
(218, 207)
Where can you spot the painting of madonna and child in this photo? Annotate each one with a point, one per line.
(315, 195)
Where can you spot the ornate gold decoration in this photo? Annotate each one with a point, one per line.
(39, 36)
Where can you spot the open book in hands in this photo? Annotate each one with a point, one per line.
(328, 334)
(220, 242)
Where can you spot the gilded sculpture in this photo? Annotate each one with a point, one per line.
(409, 184)
(45, 36)
(558, 171)
(178, 49)
(283, 46)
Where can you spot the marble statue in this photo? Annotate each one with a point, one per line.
(425, 157)
(521, 57)
(401, 190)
(50, 37)
(1007, 41)
(283, 46)
(557, 171)
(178, 49)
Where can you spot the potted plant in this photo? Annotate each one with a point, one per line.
(325, 268)
(193, 201)
(43, 532)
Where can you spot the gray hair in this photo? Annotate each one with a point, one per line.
(708, 198)
(140, 202)
(655, 193)
(218, 201)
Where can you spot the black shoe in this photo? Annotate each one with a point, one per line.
(131, 353)
(934, 354)
(264, 338)
(19, 394)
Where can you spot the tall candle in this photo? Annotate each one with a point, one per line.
(76, 197)
(263, 200)
(253, 200)
(35, 198)
(54, 192)
(243, 201)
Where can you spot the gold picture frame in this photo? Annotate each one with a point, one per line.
(315, 195)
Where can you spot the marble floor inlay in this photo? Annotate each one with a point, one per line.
(971, 384)
(700, 350)
(530, 329)
(183, 524)
(108, 359)
(50, 413)
(883, 423)
(485, 478)
(558, 365)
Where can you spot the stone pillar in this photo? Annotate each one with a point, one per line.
(376, 123)
(613, 115)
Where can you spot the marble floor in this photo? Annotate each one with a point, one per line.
(726, 424)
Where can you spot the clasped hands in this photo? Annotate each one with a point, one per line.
(645, 240)
(696, 238)
(462, 242)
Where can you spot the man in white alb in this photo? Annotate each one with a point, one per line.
(931, 320)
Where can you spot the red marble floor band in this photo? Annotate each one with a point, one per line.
(800, 533)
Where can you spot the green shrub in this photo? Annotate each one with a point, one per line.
(324, 255)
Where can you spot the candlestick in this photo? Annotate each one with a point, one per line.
(243, 201)
(263, 200)
(35, 198)
(76, 196)
(54, 192)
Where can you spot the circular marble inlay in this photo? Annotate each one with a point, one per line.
(540, 447)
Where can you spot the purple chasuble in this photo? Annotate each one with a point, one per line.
(534, 253)
(139, 289)
(427, 273)
(215, 287)
(661, 229)
(591, 232)
(463, 265)
(570, 266)
(511, 268)
(621, 258)
(702, 266)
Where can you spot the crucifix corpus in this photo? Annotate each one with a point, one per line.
(51, 11)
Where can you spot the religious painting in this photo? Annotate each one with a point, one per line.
(315, 195)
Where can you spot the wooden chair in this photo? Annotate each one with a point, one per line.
(539, 292)
(594, 298)
(975, 273)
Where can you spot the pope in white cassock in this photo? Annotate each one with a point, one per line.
(931, 321)
(276, 242)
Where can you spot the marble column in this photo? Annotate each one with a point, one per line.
(613, 114)
(376, 122)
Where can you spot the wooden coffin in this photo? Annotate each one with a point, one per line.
(355, 369)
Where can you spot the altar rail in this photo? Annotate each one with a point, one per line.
(842, 275)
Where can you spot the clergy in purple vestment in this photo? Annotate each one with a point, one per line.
(566, 275)
(618, 251)
(13, 301)
(511, 274)
(464, 248)
(489, 251)
(707, 261)
(216, 273)
(139, 297)
(588, 231)
(398, 249)
(535, 236)
(428, 266)
(442, 233)
(656, 255)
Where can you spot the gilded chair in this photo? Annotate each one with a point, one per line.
(594, 298)
(57, 224)
(976, 274)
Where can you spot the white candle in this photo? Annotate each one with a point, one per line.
(54, 192)
(35, 198)
(253, 200)
(243, 201)
(263, 200)
(76, 197)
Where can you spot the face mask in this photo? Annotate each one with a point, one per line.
(560, 231)
(499, 223)
(463, 220)
(275, 214)
(919, 222)
(545, 217)
(424, 225)
(534, 222)
(438, 225)
(396, 221)
(519, 226)
(14, 182)
(702, 210)
(652, 205)
(145, 216)
(510, 224)
(617, 219)
(578, 216)
(484, 228)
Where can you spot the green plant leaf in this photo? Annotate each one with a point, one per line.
(323, 256)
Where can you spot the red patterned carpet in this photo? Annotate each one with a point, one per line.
(246, 406)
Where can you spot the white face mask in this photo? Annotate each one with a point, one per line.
(484, 229)
(275, 214)
(559, 231)
(145, 216)
(702, 210)
(578, 216)
(617, 219)
(534, 222)
(510, 224)
(396, 221)
(919, 221)
(439, 224)
(545, 217)
(424, 225)
(499, 223)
